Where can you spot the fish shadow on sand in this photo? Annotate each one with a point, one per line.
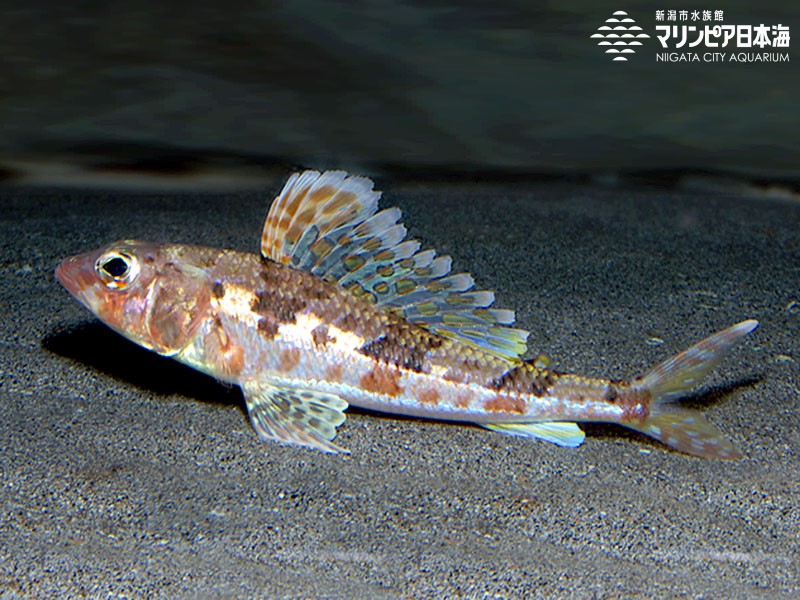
(107, 352)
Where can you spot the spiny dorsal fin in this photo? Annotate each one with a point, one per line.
(312, 207)
(328, 224)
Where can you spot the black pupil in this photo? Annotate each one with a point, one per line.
(116, 267)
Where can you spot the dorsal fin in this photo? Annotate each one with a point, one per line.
(328, 224)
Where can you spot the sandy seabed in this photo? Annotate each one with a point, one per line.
(124, 473)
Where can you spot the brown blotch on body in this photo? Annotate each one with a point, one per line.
(218, 290)
(289, 359)
(287, 292)
(462, 401)
(320, 335)
(460, 369)
(524, 379)
(611, 394)
(346, 321)
(224, 353)
(382, 380)
(281, 306)
(635, 404)
(402, 347)
(334, 373)
(430, 396)
(505, 404)
(268, 326)
(234, 360)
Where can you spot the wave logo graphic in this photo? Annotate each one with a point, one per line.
(619, 33)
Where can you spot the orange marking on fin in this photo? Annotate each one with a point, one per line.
(342, 200)
(322, 193)
(291, 206)
(382, 380)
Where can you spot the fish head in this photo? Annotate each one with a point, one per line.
(147, 292)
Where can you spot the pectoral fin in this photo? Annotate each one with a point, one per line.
(294, 415)
(562, 434)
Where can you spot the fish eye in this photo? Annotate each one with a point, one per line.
(117, 269)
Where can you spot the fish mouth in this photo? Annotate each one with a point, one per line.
(68, 273)
(76, 274)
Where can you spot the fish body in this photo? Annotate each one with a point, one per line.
(340, 309)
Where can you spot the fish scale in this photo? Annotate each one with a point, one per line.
(340, 309)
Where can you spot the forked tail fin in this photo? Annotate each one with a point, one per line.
(683, 429)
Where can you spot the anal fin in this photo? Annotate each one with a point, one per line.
(294, 415)
(561, 434)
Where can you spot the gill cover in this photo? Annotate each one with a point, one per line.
(177, 302)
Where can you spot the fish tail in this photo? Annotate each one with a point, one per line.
(683, 429)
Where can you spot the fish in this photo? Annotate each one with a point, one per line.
(341, 308)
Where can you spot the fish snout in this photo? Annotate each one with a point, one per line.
(76, 274)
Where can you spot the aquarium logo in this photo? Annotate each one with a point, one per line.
(620, 33)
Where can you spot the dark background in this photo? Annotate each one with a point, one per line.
(409, 87)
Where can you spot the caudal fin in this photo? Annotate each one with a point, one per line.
(683, 429)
